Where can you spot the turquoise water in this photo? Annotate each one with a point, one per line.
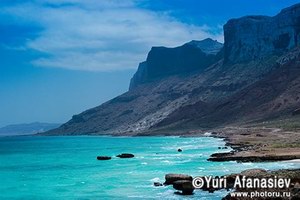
(66, 167)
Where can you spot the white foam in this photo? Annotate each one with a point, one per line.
(207, 134)
(156, 179)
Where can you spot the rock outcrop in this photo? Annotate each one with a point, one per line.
(171, 178)
(186, 187)
(163, 61)
(256, 37)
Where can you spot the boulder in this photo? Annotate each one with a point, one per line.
(171, 178)
(125, 155)
(103, 157)
(185, 186)
(157, 184)
(179, 150)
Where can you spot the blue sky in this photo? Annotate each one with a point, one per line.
(60, 57)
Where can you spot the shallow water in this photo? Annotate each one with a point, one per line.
(66, 167)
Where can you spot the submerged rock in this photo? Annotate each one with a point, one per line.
(185, 186)
(171, 178)
(157, 184)
(179, 150)
(103, 157)
(125, 155)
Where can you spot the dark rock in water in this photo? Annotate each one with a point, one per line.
(125, 155)
(224, 147)
(179, 150)
(157, 184)
(219, 147)
(222, 154)
(103, 157)
(211, 190)
(171, 178)
(185, 186)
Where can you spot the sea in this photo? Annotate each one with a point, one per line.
(65, 167)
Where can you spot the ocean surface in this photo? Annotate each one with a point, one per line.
(66, 167)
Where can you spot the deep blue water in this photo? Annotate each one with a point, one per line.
(66, 167)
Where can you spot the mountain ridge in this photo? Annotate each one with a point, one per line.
(174, 85)
(27, 128)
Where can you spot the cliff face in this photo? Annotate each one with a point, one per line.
(191, 86)
(162, 62)
(255, 37)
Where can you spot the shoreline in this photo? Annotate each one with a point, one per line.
(242, 151)
(258, 145)
(249, 144)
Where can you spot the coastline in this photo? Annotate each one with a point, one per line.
(249, 144)
(228, 141)
(258, 144)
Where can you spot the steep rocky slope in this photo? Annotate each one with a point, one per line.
(276, 95)
(253, 77)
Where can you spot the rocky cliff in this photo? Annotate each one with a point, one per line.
(255, 37)
(162, 61)
(194, 86)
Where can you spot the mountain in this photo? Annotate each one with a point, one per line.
(162, 61)
(26, 129)
(208, 46)
(204, 84)
(275, 96)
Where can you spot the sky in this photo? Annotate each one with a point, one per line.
(60, 57)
